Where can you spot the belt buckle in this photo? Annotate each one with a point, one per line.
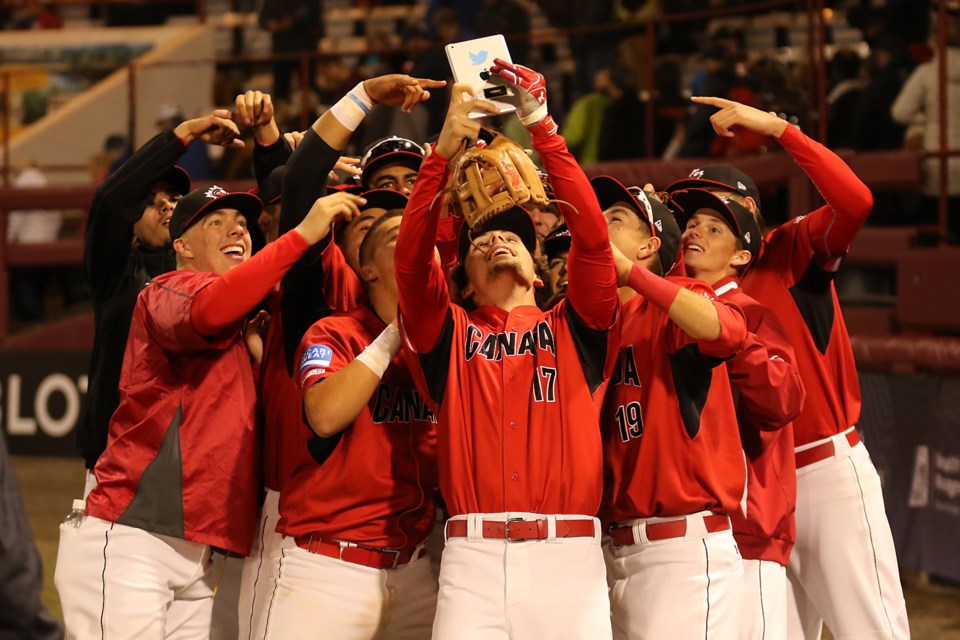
(396, 552)
(506, 530)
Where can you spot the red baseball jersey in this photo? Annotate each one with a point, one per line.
(517, 393)
(788, 278)
(769, 395)
(794, 276)
(671, 442)
(284, 434)
(374, 482)
(165, 469)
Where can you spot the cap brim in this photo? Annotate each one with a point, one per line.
(178, 178)
(383, 199)
(694, 183)
(515, 219)
(556, 244)
(610, 191)
(246, 203)
(406, 158)
(689, 201)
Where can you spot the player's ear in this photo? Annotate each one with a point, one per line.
(740, 258)
(648, 248)
(750, 204)
(182, 247)
(368, 273)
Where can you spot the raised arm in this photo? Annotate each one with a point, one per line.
(592, 280)
(849, 201)
(233, 294)
(424, 298)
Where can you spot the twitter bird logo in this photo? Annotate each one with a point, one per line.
(478, 58)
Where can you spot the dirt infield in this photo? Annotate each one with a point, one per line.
(49, 485)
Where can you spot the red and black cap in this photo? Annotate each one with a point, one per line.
(662, 225)
(556, 242)
(741, 221)
(719, 176)
(177, 178)
(195, 205)
(383, 199)
(389, 151)
(515, 219)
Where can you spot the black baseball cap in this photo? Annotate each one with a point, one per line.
(177, 178)
(741, 221)
(719, 176)
(388, 151)
(271, 190)
(515, 219)
(195, 205)
(610, 191)
(383, 199)
(556, 242)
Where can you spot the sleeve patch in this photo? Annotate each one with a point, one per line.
(316, 359)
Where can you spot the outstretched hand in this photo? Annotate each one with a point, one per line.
(735, 114)
(399, 89)
(529, 85)
(326, 210)
(254, 109)
(212, 129)
(459, 126)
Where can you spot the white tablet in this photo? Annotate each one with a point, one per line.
(470, 62)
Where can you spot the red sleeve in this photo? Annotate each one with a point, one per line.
(341, 285)
(733, 326)
(764, 371)
(424, 299)
(165, 306)
(322, 353)
(592, 279)
(849, 201)
(230, 297)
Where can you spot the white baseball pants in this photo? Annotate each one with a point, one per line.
(120, 582)
(321, 597)
(680, 588)
(492, 589)
(843, 568)
(260, 571)
(764, 612)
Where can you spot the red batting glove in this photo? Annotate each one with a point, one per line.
(532, 89)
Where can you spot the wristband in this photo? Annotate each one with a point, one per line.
(380, 352)
(352, 108)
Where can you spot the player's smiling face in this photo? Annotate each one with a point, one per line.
(217, 243)
(153, 228)
(709, 247)
(497, 253)
(557, 273)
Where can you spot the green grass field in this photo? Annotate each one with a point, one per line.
(50, 484)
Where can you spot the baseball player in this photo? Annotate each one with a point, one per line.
(517, 392)
(171, 488)
(319, 284)
(359, 505)
(391, 163)
(556, 249)
(843, 567)
(127, 243)
(721, 239)
(673, 461)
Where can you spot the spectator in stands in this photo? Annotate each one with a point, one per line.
(716, 78)
(594, 51)
(844, 98)
(463, 12)
(116, 151)
(36, 15)
(295, 26)
(621, 134)
(920, 98)
(431, 62)
(195, 160)
(510, 18)
(874, 126)
(583, 125)
(28, 285)
(671, 108)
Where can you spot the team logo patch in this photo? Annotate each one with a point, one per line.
(215, 192)
(696, 174)
(316, 358)
(659, 225)
(746, 237)
(741, 186)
